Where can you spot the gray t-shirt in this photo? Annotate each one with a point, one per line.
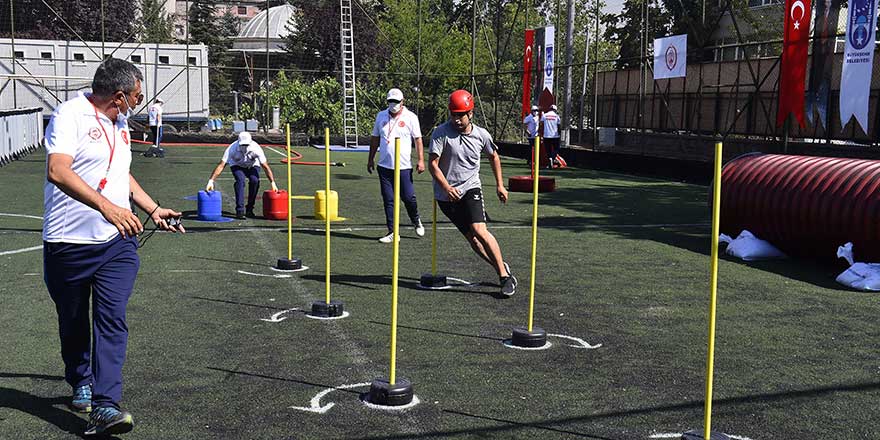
(460, 156)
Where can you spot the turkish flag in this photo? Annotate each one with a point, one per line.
(793, 72)
(527, 73)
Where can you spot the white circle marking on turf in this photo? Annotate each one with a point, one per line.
(18, 251)
(580, 342)
(414, 402)
(285, 270)
(509, 344)
(678, 435)
(315, 403)
(328, 318)
(279, 275)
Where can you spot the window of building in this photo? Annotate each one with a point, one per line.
(759, 3)
(242, 10)
(191, 61)
(46, 56)
(136, 59)
(79, 57)
(19, 55)
(163, 59)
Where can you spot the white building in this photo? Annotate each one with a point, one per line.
(48, 72)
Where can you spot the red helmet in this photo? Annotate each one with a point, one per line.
(461, 101)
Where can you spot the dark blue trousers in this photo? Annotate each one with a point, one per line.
(252, 175)
(407, 195)
(105, 272)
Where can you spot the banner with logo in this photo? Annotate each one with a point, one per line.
(858, 58)
(670, 57)
(824, 36)
(549, 58)
(793, 72)
(527, 73)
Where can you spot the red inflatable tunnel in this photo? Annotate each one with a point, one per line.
(806, 206)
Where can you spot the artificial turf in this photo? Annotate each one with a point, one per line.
(622, 261)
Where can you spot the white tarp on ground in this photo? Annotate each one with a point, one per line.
(859, 276)
(750, 248)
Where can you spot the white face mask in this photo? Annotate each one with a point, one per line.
(394, 107)
(127, 112)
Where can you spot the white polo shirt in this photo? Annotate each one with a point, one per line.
(551, 124)
(155, 114)
(404, 125)
(531, 123)
(249, 158)
(79, 130)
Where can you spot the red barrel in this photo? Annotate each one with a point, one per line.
(806, 206)
(275, 205)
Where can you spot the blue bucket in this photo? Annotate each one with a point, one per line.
(209, 204)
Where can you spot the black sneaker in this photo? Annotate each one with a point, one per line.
(239, 215)
(250, 213)
(109, 420)
(508, 286)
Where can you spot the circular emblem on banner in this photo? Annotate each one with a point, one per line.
(94, 133)
(125, 136)
(859, 35)
(548, 66)
(401, 124)
(671, 57)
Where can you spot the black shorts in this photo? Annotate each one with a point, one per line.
(466, 211)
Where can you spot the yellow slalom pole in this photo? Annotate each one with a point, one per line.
(289, 202)
(716, 219)
(434, 241)
(327, 208)
(394, 256)
(535, 172)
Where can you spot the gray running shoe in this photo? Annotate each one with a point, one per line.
(109, 420)
(82, 399)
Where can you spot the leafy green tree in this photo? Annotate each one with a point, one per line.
(217, 34)
(156, 25)
(629, 28)
(72, 19)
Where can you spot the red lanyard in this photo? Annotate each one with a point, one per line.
(392, 124)
(103, 182)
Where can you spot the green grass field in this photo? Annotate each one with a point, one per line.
(623, 261)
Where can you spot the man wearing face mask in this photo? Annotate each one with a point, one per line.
(397, 122)
(90, 238)
(530, 124)
(244, 155)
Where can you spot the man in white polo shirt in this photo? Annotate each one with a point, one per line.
(244, 156)
(397, 122)
(90, 238)
(550, 122)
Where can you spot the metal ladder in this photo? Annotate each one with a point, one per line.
(349, 103)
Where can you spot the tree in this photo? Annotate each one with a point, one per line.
(73, 19)
(157, 26)
(217, 35)
(630, 30)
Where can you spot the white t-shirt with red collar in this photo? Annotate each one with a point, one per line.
(79, 130)
(404, 125)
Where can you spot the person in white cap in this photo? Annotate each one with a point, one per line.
(550, 129)
(155, 120)
(397, 122)
(530, 124)
(244, 155)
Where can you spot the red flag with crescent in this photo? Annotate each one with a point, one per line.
(527, 73)
(793, 71)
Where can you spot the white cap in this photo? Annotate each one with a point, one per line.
(395, 94)
(244, 138)
(534, 108)
(160, 100)
(553, 107)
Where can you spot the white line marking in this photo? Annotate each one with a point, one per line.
(328, 318)
(448, 228)
(580, 342)
(276, 317)
(414, 402)
(276, 275)
(295, 270)
(279, 153)
(315, 403)
(3, 214)
(678, 435)
(18, 251)
(509, 344)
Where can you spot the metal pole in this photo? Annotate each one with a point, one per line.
(473, 41)
(596, 81)
(266, 103)
(419, 56)
(14, 61)
(584, 82)
(186, 63)
(103, 37)
(569, 59)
